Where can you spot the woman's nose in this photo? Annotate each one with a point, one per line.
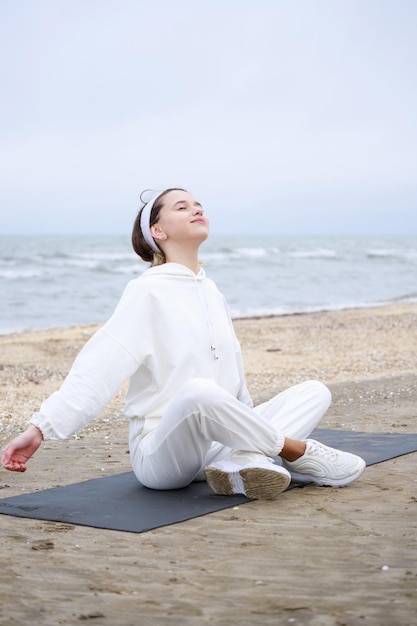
(198, 210)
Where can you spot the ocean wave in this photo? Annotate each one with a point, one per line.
(18, 274)
(317, 253)
(409, 297)
(75, 267)
(252, 252)
(107, 256)
(52, 255)
(391, 253)
(233, 254)
(131, 269)
(256, 312)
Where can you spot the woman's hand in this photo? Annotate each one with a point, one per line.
(17, 453)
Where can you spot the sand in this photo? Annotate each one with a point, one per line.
(314, 556)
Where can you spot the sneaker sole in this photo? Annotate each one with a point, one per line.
(257, 483)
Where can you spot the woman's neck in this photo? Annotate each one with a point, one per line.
(188, 258)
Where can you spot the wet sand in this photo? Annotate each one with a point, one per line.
(313, 556)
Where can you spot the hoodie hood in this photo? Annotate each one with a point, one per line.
(174, 269)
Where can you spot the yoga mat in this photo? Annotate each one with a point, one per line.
(120, 502)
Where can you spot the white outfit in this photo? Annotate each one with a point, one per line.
(171, 335)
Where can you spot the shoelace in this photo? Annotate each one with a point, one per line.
(323, 451)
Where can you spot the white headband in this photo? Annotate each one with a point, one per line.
(145, 219)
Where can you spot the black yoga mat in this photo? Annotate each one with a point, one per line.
(120, 502)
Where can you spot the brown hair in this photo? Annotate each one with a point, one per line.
(139, 244)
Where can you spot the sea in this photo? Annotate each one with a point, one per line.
(61, 280)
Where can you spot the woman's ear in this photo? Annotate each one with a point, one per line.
(157, 232)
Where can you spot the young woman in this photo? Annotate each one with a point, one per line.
(191, 415)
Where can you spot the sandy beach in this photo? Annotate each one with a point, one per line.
(314, 556)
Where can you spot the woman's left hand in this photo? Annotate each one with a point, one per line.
(17, 453)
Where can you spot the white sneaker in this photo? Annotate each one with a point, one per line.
(259, 481)
(325, 466)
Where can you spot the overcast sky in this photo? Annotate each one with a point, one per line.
(286, 116)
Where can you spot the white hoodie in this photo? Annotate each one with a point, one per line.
(170, 326)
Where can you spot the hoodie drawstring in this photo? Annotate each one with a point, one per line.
(209, 322)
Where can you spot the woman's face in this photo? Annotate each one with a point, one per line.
(181, 219)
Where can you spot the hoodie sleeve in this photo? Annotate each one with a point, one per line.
(97, 374)
(106, 361)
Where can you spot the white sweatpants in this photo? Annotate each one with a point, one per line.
(203, 424)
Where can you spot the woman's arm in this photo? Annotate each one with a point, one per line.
(98, 372)
(96, 375)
